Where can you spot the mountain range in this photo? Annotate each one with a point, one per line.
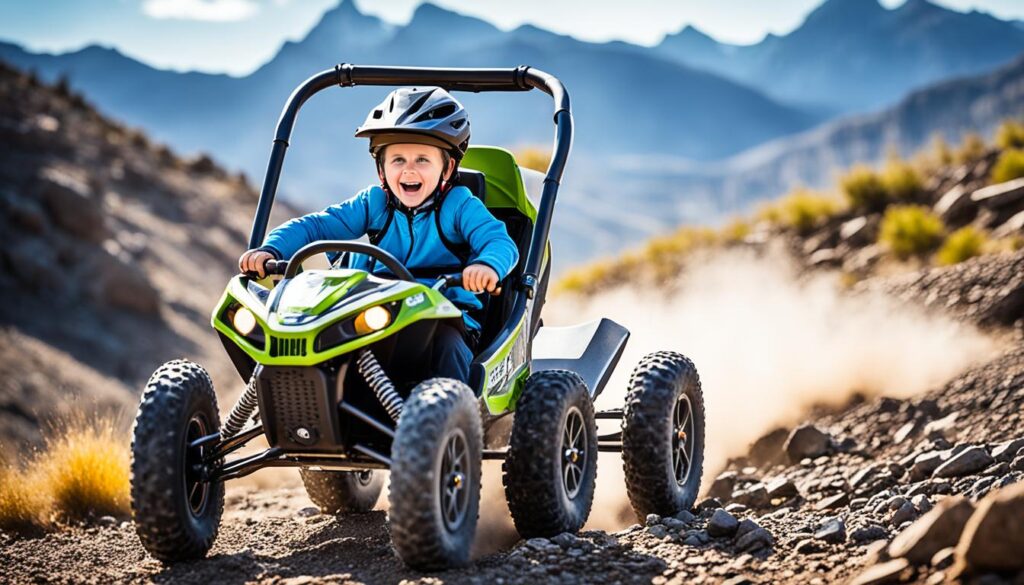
(668, 125)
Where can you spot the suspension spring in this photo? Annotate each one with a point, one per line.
(379, 382)
(242, 411)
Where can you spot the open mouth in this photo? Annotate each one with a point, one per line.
(411, 187)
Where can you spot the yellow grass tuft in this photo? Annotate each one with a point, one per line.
(85, 467)
(1010, 166)
(802, 210)
(82, 472)
(910, 230)
(963, 244)
(1010, 135)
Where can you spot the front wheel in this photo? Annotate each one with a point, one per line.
(176, 511)
(663, 435)
(435, 476)
(551, 469)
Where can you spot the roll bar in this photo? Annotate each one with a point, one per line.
(520, 78)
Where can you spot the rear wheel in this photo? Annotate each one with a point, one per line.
(551, 468)
(338, 492)
(663, 435)
(435, 475)
(176, 511)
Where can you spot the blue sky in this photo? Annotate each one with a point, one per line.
(237, 36)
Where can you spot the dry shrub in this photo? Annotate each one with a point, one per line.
(85, 468)
(910, 230)
(1010, 166)
(801, 210)
(864, 189)
(1010, 135)
(82, 472)
(963, 244)
(971, 149)
(735, 231)
(901, 180)
(23, 505)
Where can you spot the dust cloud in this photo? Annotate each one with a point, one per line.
(768, 343)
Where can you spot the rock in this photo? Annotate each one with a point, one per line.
(1000, 195)
(736, 508)
(955, 206)
(308, 512)
(832, 530)
(723, 485)
(768, 449)
(1005, 452)
(825, 257)
(107, 521)
(541, 544)
(869, 533)
(673, 524)
(781, 487)
(907, 431)
(944, 427)
(932, 532)
(833, 502)
(859, 231)
(863, 259)
(1018, 463)
(657, 531)
(969, 461)
(1010, 227)
(755, 496)
(709, 504)
(123, 285)
(943, 559)
(565, 540)
(883, 573)
(807, 441)
(993, 538)
(72, 206)
(746, 526)
(685, 516)
(755, 539)
(652, 519)
(922, 503)
(722, 523)
(808, 546)
(926, 464)
(904, 513)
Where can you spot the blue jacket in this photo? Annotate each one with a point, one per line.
(474, 236)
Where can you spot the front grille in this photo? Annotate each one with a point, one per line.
(298, 406)
(283, 347)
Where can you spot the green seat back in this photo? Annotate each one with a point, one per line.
(505, 188)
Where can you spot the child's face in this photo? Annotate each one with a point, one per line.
(412, 171)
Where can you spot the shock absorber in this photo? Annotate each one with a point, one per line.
(379, 382)
(242, 411)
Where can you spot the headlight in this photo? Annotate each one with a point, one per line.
(244, 321)
(372, 319)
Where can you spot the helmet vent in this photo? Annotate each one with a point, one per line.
(416, 105)
(378, 114)
(458, 123)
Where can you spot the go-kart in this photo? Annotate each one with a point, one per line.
(335, 363)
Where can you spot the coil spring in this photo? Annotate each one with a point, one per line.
(242, 411)
(379, 382)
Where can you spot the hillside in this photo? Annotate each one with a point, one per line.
(115, 251)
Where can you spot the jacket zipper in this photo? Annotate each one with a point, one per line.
(412, 238)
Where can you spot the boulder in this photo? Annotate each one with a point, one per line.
(926, 464)
(932, 532)
(832, 530)
(993, 538)
(769, 449)
(1000, 195)
(781, 487)
(1005, 452)
(955, 206)
(125, 286)
(859, 231)
(755, 496)
(72, 206)
(1010, 227)
(807, 441)
(723, 485)
(967, 462)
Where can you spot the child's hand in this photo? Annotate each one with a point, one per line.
(255, 261)
(477, 278)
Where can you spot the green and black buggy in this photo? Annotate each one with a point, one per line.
(335, 365)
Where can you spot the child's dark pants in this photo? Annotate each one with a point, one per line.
(452, 355)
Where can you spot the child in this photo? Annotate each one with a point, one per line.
(417, 138)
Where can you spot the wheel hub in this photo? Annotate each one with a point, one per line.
(682, 447)
(574, 452)
(197, 488)
(454, 495)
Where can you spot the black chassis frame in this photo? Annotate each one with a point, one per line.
(522, 78)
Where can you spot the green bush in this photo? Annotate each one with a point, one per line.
(966, 242)
(901, 181)
(1010, 166)
(1010, 135)
(910, 230)
(864, 188)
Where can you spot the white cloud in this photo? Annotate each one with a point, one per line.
(206, 10)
